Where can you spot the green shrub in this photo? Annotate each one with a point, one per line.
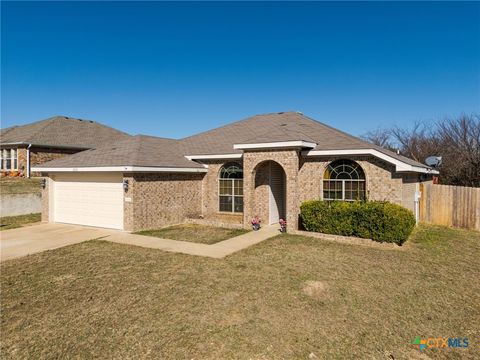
(377, 220)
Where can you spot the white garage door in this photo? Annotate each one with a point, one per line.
(89, 199)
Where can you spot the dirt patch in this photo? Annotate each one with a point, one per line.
(315, 289)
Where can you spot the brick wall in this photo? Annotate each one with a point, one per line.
(210, 206)
(382, 183)
(156, 200)
(46, 199)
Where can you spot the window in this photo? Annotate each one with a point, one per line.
(230, 188)
(344, 180)
(8, 160)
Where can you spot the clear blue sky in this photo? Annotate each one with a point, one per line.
(174, 69)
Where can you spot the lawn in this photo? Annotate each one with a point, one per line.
(19, 185)
(195, 233)
(12, 222)
(290, 297)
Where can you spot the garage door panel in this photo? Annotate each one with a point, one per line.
(94, 200)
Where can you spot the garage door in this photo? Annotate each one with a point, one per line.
(89, 199)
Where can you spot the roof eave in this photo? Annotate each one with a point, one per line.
(400, 166)
(26, 143)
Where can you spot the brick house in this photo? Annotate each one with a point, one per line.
(265, 165)
(22, 147)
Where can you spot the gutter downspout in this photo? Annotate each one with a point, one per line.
(28, 160)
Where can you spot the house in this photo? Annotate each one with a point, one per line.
(265, 165)
(22, 147)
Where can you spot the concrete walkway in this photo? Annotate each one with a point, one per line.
(218, 250)
(37, 238)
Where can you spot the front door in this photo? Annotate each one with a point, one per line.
(277, 193)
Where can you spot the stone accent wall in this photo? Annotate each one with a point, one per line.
(39, 156)
(22, 160)
(210, 202)
(42, 155)
(155, 200)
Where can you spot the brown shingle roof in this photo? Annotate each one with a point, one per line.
(138, 150)
(62, 131)
(275, 127)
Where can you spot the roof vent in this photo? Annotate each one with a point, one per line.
(299, 112)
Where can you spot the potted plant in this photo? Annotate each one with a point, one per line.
(256, 223)
(283, 225)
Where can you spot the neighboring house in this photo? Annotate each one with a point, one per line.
(22, 147)
(266, 165)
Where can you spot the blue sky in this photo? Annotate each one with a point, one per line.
(174, 69)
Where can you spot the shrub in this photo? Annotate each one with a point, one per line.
(377, 220)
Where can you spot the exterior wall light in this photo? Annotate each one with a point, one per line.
(43, 183)
(125, 184)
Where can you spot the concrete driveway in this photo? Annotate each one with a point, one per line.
(37, 238)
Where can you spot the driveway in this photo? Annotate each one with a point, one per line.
(37, 238)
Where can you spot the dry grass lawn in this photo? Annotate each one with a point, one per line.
(12, 222)
(20, 185)
(290, 297)
(194, 233)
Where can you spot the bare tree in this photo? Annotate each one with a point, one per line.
(456, 140)
(417, 143)
(459, 140)
(380, 137)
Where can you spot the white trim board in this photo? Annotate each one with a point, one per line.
(272, 145)
(400, 166)
(213, 157)
(119, 169)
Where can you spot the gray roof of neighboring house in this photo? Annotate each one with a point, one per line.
(61, 131)
(275, 127)
(138, 150)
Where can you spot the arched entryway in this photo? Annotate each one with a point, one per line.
(270, 192)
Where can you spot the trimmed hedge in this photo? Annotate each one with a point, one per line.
(377, 220)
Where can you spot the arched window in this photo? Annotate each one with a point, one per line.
(230, 188)
(344, 180)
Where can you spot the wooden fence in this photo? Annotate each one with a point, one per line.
(456, 206)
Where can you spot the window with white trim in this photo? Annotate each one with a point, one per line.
(230, 188)
(344, 180)
(8, 160)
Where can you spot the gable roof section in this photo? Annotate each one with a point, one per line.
(139, 151)
(285, 126)
(61, 131)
